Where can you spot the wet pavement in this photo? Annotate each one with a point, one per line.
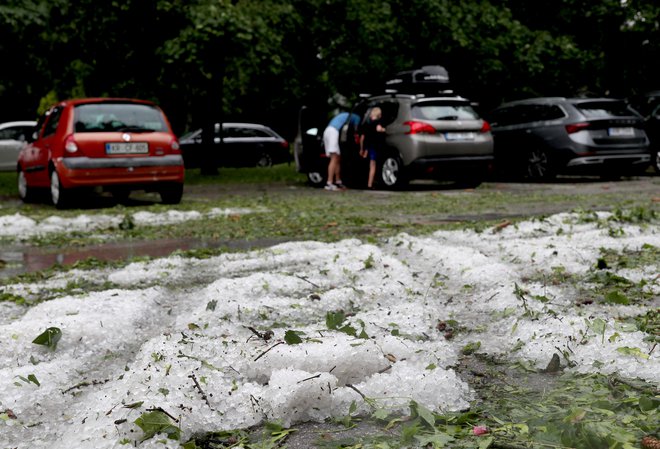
(18, 259)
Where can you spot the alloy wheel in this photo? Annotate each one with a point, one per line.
(538, 165)
(390, 172)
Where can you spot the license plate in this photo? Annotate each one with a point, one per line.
(621, 132)
(127, 148)
(460, 136)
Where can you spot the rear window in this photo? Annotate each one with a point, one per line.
(131, 117)
(444, 111)
(604, 109)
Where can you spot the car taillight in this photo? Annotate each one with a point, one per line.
(284, 144)
(576, 127)
(174, 145)
(485, 127)
(70, 145)
(420, 128)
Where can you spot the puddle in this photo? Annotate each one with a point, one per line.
(18, 259)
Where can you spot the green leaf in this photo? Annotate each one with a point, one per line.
(647, 404)
(134, 405)
(635, 352)
(49, 338)
(471, 348)
(32, 378)
(292, 338)
(616, 297)
(156, 422)
(334, 319)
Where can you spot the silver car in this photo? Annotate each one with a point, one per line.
(13, 136)
(439, 137)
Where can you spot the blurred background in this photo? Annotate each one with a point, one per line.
(260, 61)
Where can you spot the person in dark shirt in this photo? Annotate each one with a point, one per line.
(372, 137)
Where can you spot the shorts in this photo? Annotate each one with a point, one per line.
(331, 140)
(373, 155)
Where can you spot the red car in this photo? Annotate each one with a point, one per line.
(113, 143)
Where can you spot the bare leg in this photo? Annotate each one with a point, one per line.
(372, 173)
(332, 168)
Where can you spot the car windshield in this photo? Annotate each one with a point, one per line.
(604, 109)
(444, 111)
(128, 117)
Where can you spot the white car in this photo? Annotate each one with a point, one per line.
(13, 136)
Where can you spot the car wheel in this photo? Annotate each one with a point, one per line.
(316, 179)
(539, 165)
(391, 172)
(59, 195)
(25, 192)
(265, 160)
(171, 193)
(656, 162)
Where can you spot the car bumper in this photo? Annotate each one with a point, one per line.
(611, 160)
(454, 166)
(91, 172)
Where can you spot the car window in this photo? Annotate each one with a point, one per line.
(444, 111)
(13, 133)
(604, 109)
(95, 117)
(53, 121)
(237, 132)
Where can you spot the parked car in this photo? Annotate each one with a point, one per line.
(13, 136)
(430, 133)
(542, 137)
(648, 106)
(115, 144)
(236, 145)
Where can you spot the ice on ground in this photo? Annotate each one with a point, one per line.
(301, 330)
(21, 227)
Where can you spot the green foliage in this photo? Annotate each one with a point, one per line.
(155, 422)
(49, 338)
(292, 337)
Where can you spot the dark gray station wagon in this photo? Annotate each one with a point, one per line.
(542, 137)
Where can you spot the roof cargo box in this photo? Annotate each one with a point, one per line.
(430, 78)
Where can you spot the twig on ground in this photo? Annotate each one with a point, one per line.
(303, 278)
(309, 378)
(357, 391)
(160, 409)
(266, 351)
(199, 388)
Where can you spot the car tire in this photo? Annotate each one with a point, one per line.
(655, 159)
(171, 193)
(25, 192)
(60, 196)
(539, 166)
(316, 178)
(264, 160)
(391, 172)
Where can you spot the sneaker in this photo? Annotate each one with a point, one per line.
(330, 187)
(340, 186)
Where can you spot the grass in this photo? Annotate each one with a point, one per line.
(294, 211)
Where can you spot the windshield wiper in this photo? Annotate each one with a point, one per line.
(448, 117)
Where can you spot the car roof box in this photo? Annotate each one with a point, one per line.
(429, 78)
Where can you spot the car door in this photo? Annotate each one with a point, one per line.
(39, 154)
(308, 145)
(12, 139)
